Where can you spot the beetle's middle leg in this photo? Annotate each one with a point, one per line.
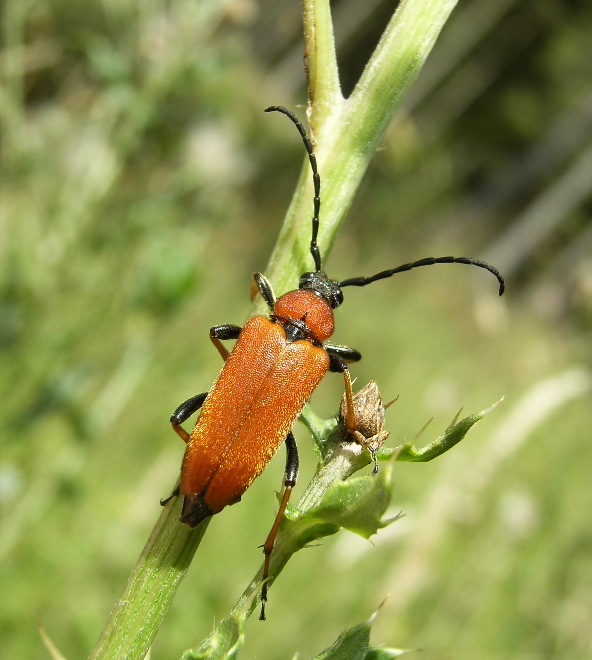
(338, 356)
(290, 476)
(224, 332)
(187, 408)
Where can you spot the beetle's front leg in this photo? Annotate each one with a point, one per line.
(337, 364)
(263, 285)
(224, 332)
(290, 476)
(346, 353)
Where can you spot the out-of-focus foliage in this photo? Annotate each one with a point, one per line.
(140, 187)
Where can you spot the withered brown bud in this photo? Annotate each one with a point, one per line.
(369, 414)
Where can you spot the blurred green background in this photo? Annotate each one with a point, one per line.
(141, 185)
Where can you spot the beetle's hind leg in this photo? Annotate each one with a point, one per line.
(187, 408)
(184, 412)
(290, 477)
(219, 333)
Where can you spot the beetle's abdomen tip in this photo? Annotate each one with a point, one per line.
(194, 510)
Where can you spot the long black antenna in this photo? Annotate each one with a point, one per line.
(316, 179)
(363, 281)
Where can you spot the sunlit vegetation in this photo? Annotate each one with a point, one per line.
(141, 185)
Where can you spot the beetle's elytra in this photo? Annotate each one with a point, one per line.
(275, 366)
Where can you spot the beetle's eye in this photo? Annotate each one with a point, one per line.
(305, 280)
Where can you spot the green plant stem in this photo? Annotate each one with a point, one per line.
(151, 587)
(324, 92)
(347, 132)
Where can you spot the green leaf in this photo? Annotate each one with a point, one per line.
(225, 641)
(452, 436)
(357, 504)
(353, 644)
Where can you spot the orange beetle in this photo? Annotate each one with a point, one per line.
(265, 382)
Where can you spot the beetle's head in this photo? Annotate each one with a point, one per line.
(322, 286)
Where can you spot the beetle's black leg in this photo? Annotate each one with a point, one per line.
(184, 412)
(170, 497)
(264, 286)
(224, 332)
(337, 363)
(344, 352)
(186, 409)
(290, 477)
(292, 461)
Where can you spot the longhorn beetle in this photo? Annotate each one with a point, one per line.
(267, 378)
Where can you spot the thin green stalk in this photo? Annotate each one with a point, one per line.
(151, 587)
(347, 132)
(324, 91)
